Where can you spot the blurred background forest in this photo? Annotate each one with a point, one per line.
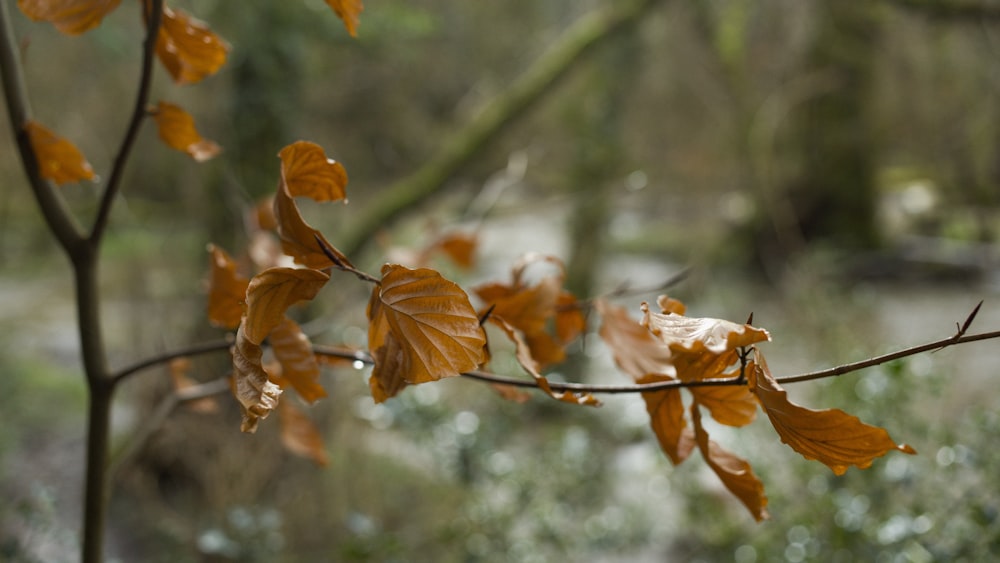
(831, 166)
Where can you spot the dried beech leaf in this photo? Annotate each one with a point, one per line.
(348, 11)
(634, 348)
(530, 364)
(422, 328)
(177, 130)
(732, 405)
(262, 215)
(530, 309)
(227, 290)
(257, 395)
(666, 416)
(570, 321)
(734, 471)
(58, 159)
(703, 365)
(694, 335)
(460, 248)
(188, 49)
(830, 436)
(71, 17)
(306, 171)
(294, 352)
(272, 292)
(511, 393)
(298, 239)
(299, 434)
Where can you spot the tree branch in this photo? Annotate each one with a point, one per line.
(139, 112)
(58, 217)
(488, 377)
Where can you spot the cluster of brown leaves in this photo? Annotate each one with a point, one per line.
(186, 47)
(423, 328)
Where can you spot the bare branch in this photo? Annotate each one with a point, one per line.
(139, 113)
(58, 217)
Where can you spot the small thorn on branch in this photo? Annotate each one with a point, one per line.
(968, 321)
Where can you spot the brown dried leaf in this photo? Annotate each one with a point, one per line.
(732, 405)
(530, 308)
(257, 395)
(696, 335)
(457, 246)
(299, 434)
(666, 416)
(734, 471)
(348, 11)
(530, 364)
(306, 171)
(298, 239)
(422, 328)
(58, 159)
(227, 290)
(634, 348)
(188, 49)
(830, 436)
(177, 130)
(298, 363)
(271, 292)
(71, 17)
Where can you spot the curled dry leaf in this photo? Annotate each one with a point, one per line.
(306, 171)
(271, 292)
(734, 471)
(294, 352)
(58, 159)
(71, 17)
(422, 328)
(188, 49)
(694, 335)
(299, 434)
(666, 416)
(177, 130)
(298, 239)
(227, 290)
(830, 436)
(348, 11)
(257, 395)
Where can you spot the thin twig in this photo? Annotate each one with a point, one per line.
(360, 356)
(188, 351)
(343, 266)
(139, 113)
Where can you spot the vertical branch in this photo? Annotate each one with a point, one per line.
(58, 217)
(154, 15)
